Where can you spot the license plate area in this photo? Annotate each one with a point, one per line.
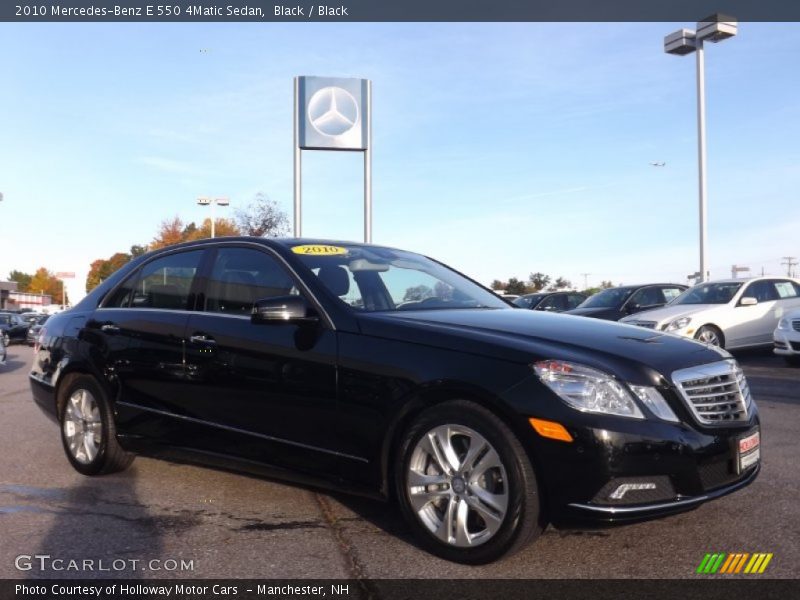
(748, 451)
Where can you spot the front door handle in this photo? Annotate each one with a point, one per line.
(201, 338)
(109, 328)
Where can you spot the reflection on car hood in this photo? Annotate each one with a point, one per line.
(593, 311)
(522, 335)
(670, 313)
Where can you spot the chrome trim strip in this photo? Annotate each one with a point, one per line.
(244, 431)
(645, 508)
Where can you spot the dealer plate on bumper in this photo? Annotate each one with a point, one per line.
(748, 451)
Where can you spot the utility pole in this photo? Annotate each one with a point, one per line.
(790, 262)
(586, 280)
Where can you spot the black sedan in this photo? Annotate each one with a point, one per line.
(550, 301)
(382, 372)
(614, 303)
(12, 328)
(35, 328)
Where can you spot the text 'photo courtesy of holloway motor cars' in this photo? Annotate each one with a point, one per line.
(303, 359)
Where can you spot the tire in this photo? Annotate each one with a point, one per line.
(6, 340)
(711, 335)
(88, 432)
(476, 513)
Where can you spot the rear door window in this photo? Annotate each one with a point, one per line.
(164, 283)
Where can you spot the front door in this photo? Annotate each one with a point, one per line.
(263, 392)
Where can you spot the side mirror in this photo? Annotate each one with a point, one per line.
(282, 309)
(748, 301)
(632, 308)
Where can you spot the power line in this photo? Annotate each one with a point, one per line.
(790, 262)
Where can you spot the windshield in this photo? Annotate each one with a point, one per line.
(529, 301)
(608, 298)
(708, 293)
(369, 278)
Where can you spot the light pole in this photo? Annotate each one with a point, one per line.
(214, 202)
(680, 43)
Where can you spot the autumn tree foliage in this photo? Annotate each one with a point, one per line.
(101, 269)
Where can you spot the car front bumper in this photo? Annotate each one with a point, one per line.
(786, 342)
(624, 470)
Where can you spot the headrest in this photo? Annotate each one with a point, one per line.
(335, 278)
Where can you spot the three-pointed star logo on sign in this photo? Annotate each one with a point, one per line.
(332, 111)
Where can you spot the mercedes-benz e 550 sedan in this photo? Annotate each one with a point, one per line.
(385, 373)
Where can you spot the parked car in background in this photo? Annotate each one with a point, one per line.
(731, 313)
(613, 304)
(35, 328)
(30, 316)
(308, 360)
(550, 301)
(786, 337)
(12, 328)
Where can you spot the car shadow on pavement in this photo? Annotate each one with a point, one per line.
(382, 515)
(12, 364)
(100, 530)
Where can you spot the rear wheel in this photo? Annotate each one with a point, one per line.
(708, 334)
(88, 432)
(465, 484)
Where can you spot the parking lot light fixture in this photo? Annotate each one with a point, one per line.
(214, 202)
(680, 43)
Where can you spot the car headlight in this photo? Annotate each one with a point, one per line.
(655, 402)
(783, 324)
(678, 324)
(587, 389)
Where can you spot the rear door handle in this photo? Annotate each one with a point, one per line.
(109, 328)
(201, 338)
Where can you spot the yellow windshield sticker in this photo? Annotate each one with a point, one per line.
(319, 250)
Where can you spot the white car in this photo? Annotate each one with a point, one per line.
(786, 337)
(731, 313)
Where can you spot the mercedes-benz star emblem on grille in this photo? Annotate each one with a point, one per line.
(332, 111)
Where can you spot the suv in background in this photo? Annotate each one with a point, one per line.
(613, 304)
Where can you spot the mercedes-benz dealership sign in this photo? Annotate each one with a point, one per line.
(334, 113)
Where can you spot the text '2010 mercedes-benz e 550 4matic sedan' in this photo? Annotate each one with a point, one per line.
(382, 372)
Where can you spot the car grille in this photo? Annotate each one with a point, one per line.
(796, 324)
(648, 324)
(717, 393)
(795, 346)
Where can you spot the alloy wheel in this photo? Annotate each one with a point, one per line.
(83, 426)
(708, 336)
(457, 485)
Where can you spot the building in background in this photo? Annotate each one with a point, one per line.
(11, 299)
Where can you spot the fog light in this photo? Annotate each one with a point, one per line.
(623, 489)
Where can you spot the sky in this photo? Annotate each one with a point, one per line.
(500, 149)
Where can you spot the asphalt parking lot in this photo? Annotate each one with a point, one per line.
(228, 525)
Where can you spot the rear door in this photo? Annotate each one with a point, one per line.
(754, 324)
(138, 334)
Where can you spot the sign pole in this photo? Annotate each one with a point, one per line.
(298, 191)
(368, 169)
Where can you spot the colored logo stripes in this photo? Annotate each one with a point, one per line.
(730, 564)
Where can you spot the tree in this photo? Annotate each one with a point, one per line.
(538, 281)
(101, 269)
(561, 283)
(515, 286)
(137, 250)
(604, 285)
(43, 281)
(222, 228)
(23, 280)
(417, 293)
(262, 218)
(170, 232)
(498, 285)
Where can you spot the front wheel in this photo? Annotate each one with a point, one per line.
(88, 432)
(708, 334)
(465, 484)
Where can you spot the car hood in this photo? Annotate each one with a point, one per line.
(526, 336)
(599, 312)
(666, 314)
